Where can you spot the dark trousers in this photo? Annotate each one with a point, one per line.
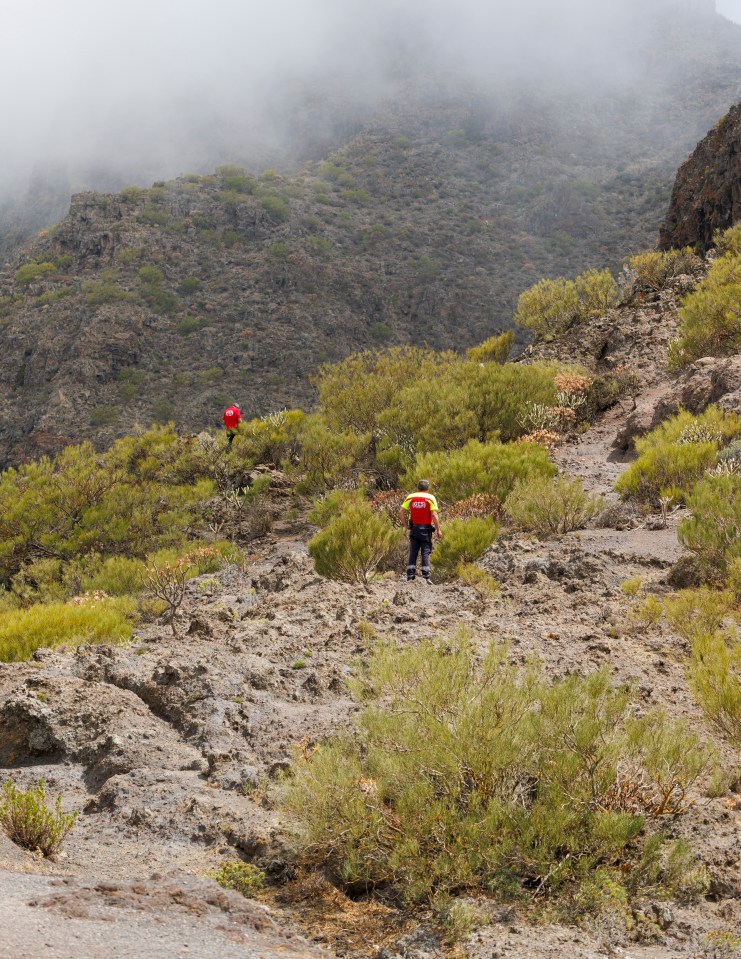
(420, 541)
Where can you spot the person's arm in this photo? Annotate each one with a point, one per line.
(436, 524)
(404, 514)
(404, 518)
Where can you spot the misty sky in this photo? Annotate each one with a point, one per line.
(164, 86)
(730, 9)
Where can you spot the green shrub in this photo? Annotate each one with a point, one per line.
(480, 468)
(674, 456)
(154, 215)
(483, 583)
(190, 284)
(230, 169)
(239, 183)
(31, 272)
(276, 208)
(654, 269)
(151, 276)
(597, 292)
(132, 194)
(359, 196)
(728, 241)
(711, 315)
(98, 292)
(114, 575)
(329, 457)
(485, 778)
(53, 624)
(54, 296)
(552, 306)
(189, 324)
(631, 587)
(545, 505)
(471, 400)
(280, 250)
(163, 410)
(327, 508)
(30, 823)
(271, 440)
(319, 246)
(128, 254)
(242, 876)
(137, 497)
(494, 350)
(713, 530)
(354, 392)
(464, 541)
(715, 678)
(354, 544)
(151, 280)
(105, 414)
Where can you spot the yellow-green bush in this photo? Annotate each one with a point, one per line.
(674, 456)
(475, 775)
(713, 530)
(354, 392)
(464, 541)
(23, 631)
(711, 315)
(715, 678)
(653, 269)
(126, 502)
(705, 619)
(30, 823)
(242, 876)
(481, 582)
(551, 306)
(330, 458)
(729, 241)
(271, 440)
(545, 505)
(385, 399)
(494, 350)
(480, 468)
(332, 504)
(30, 272)
(353, 544)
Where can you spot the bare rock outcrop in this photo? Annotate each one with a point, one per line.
(707, 191)
(708, 380)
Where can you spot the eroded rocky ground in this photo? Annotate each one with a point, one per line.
(169, 746)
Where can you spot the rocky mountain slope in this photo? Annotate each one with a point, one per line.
(169, 745)
(424, 226)
(707, 192)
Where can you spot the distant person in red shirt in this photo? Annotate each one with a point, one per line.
(419, 514)
(232, 418)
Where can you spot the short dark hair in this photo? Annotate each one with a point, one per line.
(423, 484)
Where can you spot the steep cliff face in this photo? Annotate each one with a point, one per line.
(707, 192)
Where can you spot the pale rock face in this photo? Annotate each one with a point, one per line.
(709, 380)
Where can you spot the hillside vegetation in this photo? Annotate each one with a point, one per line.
(422, 228)
(242, 685)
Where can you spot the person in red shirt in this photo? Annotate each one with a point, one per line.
(232, 418)
(419, 514)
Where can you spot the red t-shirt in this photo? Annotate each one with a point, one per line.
(231, 417)
(421, 507)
